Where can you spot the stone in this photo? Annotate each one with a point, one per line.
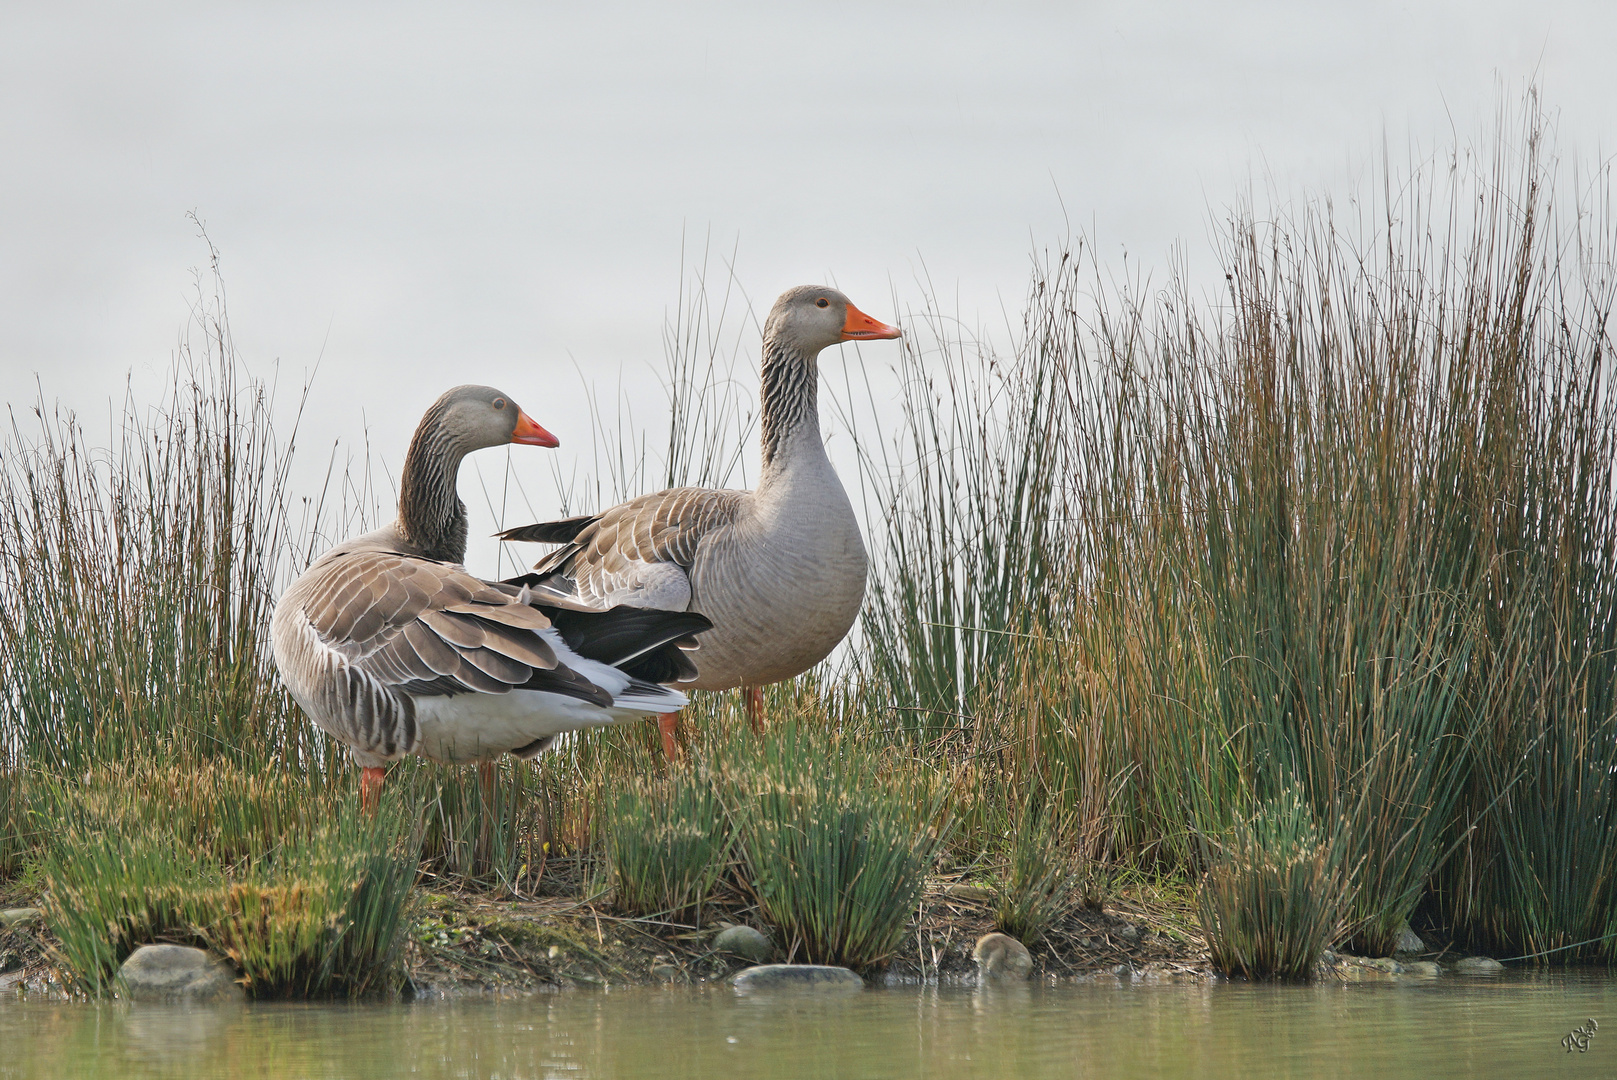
(1422, 969)
(1479, 965)
(173, 973)
(971, 894)
(1129, 933)
(797, 977)
(745, 942)
(1408, 942)
(1002, 957)
(19, 916)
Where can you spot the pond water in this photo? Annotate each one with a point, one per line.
(1503, 1027)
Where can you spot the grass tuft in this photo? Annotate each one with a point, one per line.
(668, 843)
(1273, 903)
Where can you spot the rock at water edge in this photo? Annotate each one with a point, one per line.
(745, 942)
(1408, 942)
(797, 977)
(1000, 956)
(1479, 965)
(177, 973)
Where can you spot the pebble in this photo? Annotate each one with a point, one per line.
(177, 973)
(19, 916)
(1000, 956)
(745, 942)
(797, 977)
(1479, 965)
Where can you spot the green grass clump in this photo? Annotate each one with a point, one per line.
(667, 843)
(309, 906)
(1040, 884)
(836, 854)
(1273, 902)
(492, 837)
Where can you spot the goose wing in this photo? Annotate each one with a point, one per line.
(428, 628)
(636, 554)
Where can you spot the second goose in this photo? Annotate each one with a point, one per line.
(780, 570)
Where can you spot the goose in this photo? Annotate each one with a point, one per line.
(390, 646)
(780, 570)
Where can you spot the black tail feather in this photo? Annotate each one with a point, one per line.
(550, 532)
(644, 643)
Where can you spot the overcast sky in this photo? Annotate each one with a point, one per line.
(416, 195)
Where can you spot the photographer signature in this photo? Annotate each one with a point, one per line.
(1578, 1038)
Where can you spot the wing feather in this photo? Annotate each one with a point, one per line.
(636, 553)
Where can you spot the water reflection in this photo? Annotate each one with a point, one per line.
(1506, 1027)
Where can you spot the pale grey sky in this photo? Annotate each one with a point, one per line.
(419, 195)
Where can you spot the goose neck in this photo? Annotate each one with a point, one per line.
(431, 515)
(790, 407)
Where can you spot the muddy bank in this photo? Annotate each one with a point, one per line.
(459, 942)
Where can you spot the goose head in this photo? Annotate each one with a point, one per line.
(810, 317)
(476, 417)
(432, 519)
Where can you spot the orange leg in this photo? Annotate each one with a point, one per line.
(370, 787)
(755, 707)
(487, 771)
(668, 727)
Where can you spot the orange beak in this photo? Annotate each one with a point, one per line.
(861, 327)
(529, 433)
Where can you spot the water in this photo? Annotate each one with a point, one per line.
(1510, 1027)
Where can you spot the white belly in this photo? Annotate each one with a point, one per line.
(480, 727)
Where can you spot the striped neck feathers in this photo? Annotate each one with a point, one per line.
(790, 400)
(431, 515)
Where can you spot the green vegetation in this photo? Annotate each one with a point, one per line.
(1041, 883)
(668, 843)
(1272, 902)
(1300, 595)
(836, 854)
(305, 898)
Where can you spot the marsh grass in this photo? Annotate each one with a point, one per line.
(1043, 876)
(836, 851)
(494, 838)
(305, 897)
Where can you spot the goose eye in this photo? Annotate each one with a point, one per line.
(499, 403)
(822, 302)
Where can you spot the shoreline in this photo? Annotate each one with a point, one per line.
(467, 944)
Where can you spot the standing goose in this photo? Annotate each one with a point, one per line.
(780, 570)
(391, 647)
